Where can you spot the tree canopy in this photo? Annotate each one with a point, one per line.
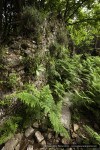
(72, 12)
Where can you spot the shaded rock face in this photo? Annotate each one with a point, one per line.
(66, 117)
(66, 113)
(18, 57)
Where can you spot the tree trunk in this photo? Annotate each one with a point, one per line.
(0, 17)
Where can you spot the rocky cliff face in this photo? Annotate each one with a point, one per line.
(24, 61)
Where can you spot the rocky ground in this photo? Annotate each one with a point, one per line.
(35, 138)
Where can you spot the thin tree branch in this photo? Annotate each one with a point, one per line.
(66, 10)
(75, 10)
(84, 20)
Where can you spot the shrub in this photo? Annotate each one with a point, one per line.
(32, 20)
(78, 76)
(58, 51)
(68, 70)
(86, 98)
(42, 104)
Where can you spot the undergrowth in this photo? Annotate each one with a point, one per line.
(94, 136)
(76, 76)
(8, 129)
(39, 104)
(81, 78)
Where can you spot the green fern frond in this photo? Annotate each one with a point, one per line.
(9, 128)
(44, 101)
(29, 99)
(94, 136)
(58, 127)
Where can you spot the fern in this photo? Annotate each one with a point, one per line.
(80, 98)
(94, 136)
(55, 121)
(59, 90)
(9, 128)
(53, 110)
(43, 100)
(28, 99)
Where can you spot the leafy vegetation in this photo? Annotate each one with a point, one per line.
(9, 128)
(72, 62)
(32, 22)
(39, 104)
(94, 136)
(80, 78)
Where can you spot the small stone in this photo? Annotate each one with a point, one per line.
(19, 136)
(17, 147)
(74, 135)
(39, 136)
(64, 141)
(36, 125)
(21, 72)
(20, 84)
(76, 127)
(61, 135)
(20, 57)
(49, 136)
(43, 143)
(57, 141)
(28, 52)
(11, 144)
(29, 132)
(30, 147)
(1, 112)
(34, 42)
